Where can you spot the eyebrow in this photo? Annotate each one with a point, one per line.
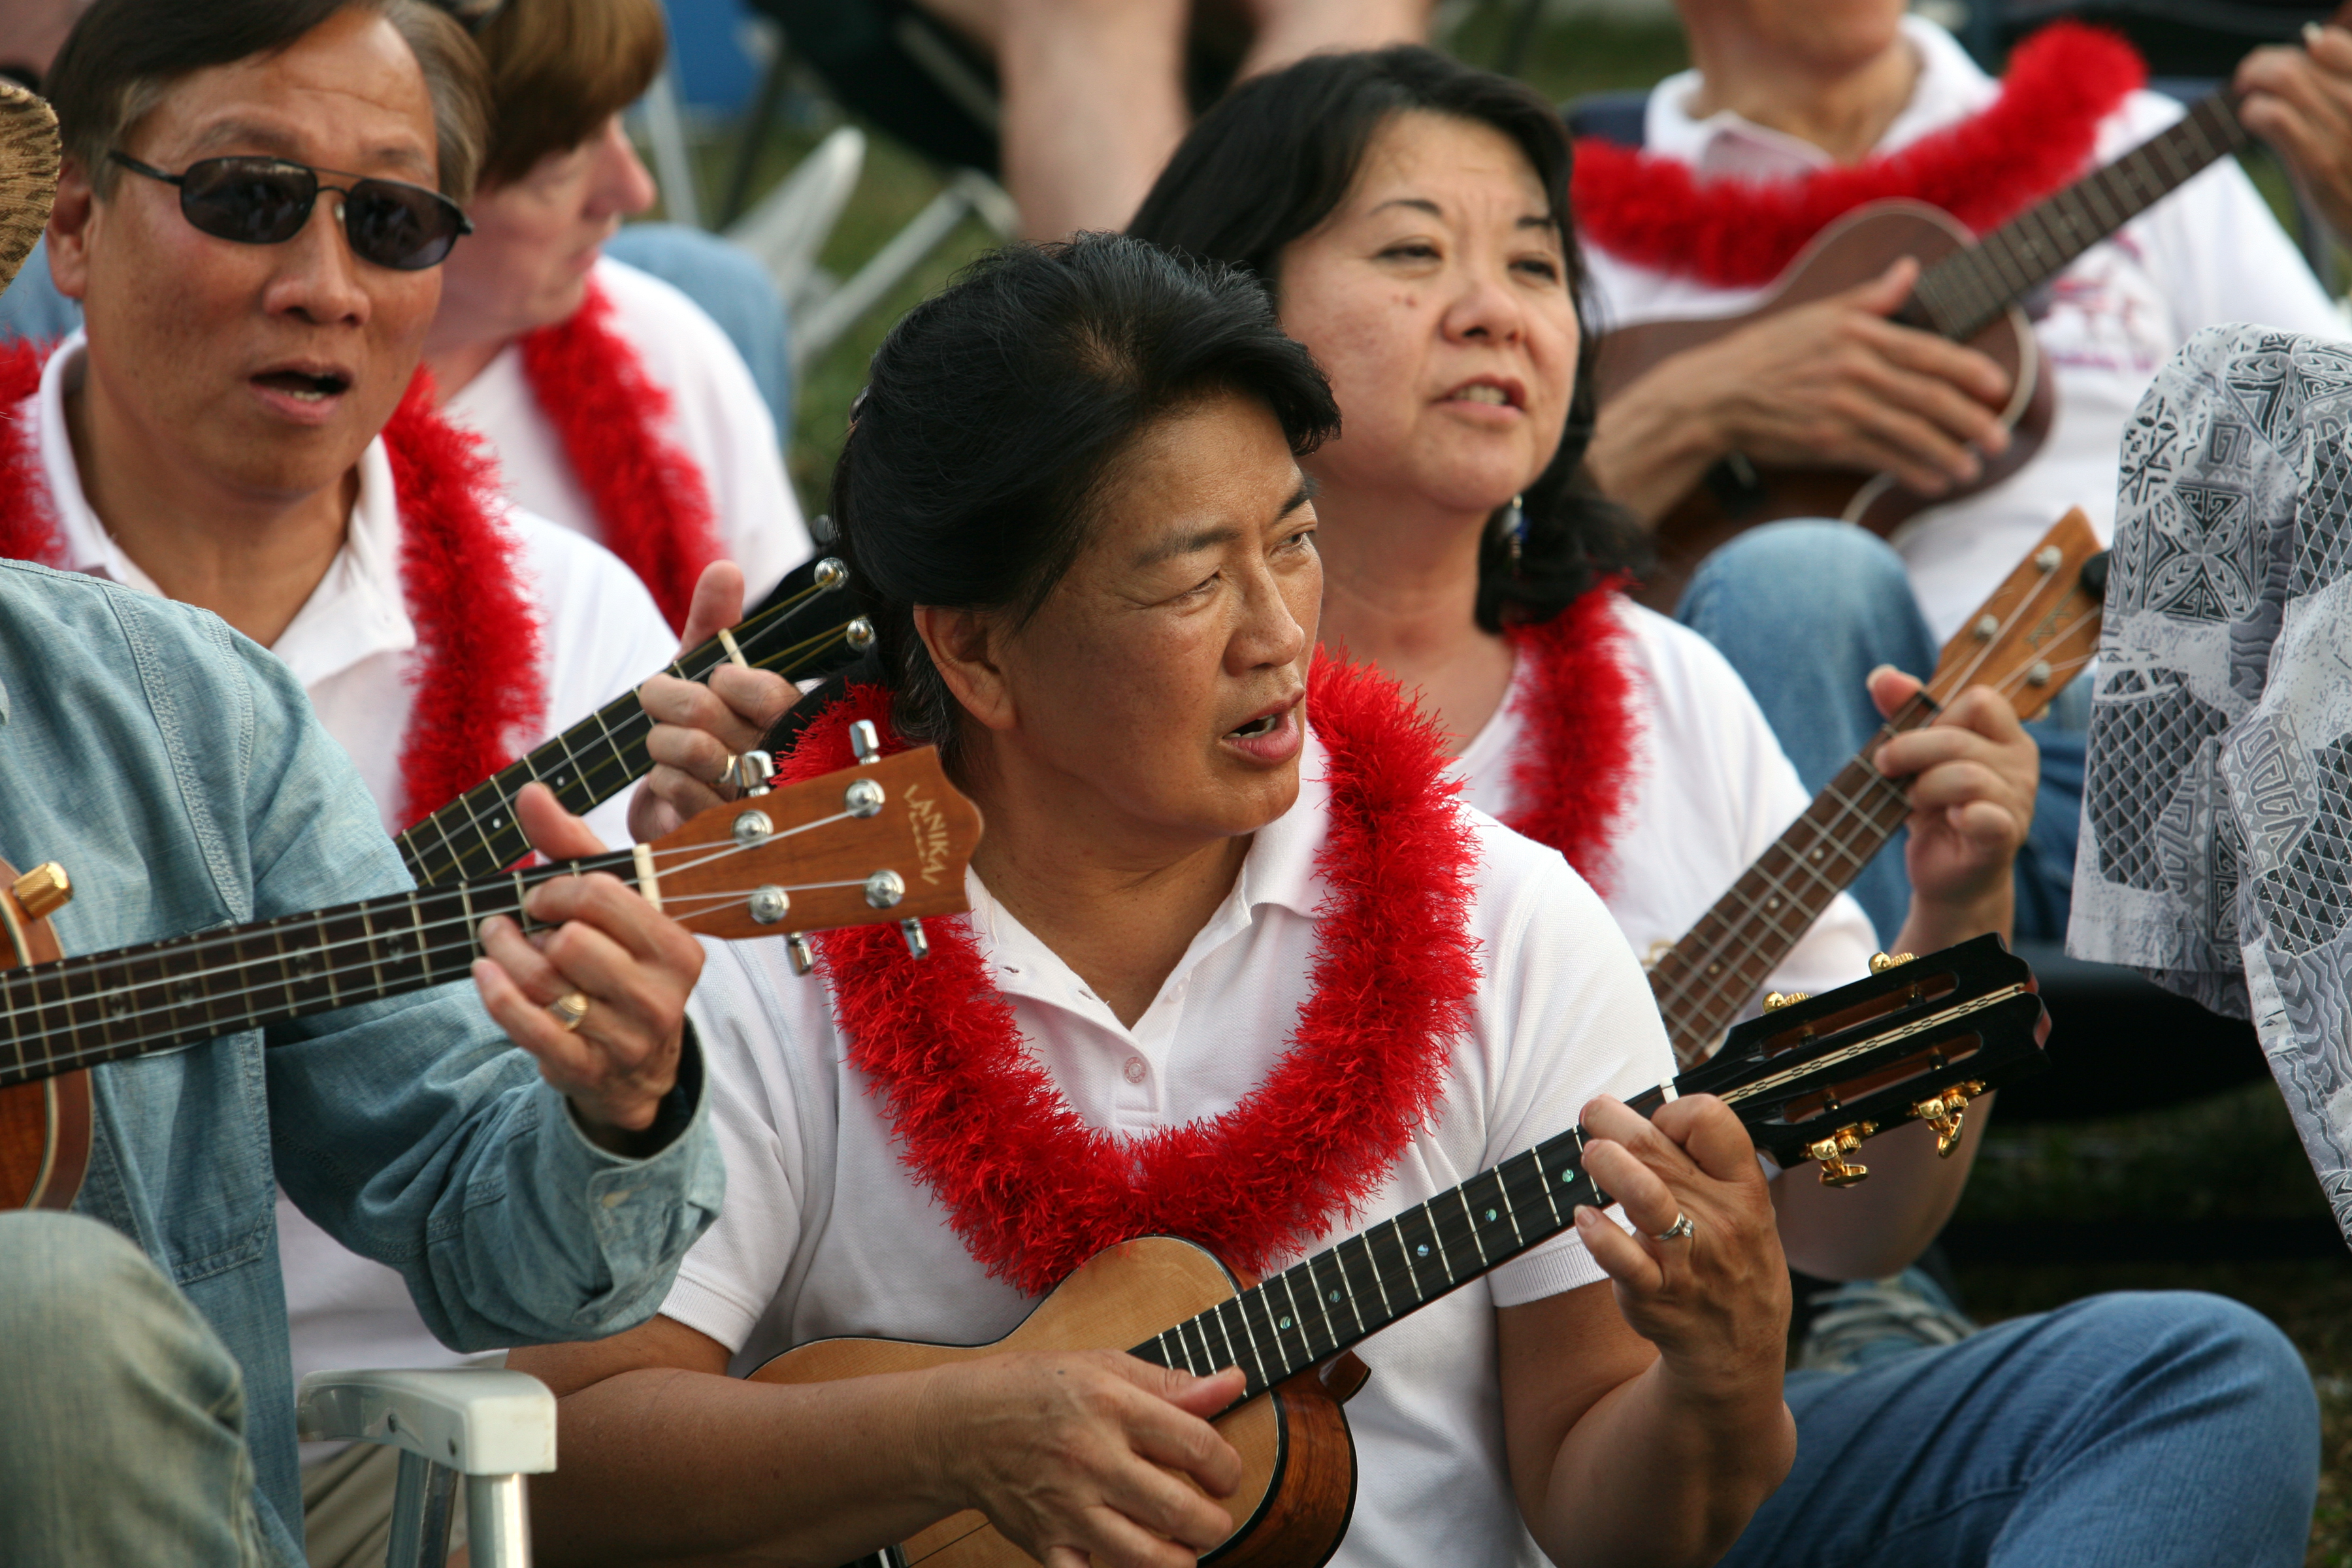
(1423, 204)
(277, 143)
(1208, 538)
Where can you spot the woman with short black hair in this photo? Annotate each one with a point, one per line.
(1239, 969)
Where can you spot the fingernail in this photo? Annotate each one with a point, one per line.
(2311, 31)
(1882, 670)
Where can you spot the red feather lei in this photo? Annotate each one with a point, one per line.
(652, 502)
(1578, 755)
(1033, 1190)
(1736, 234)
(480, 682)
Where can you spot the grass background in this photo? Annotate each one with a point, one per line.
(2230, 1158)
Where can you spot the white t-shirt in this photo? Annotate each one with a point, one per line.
(717, 419)
(1714, 790)
(351, 646)
(826, 1232)
(2209, 252)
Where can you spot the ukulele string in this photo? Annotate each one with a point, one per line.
(425, 955)
(77, 968)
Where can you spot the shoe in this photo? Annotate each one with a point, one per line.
(1865, 1322)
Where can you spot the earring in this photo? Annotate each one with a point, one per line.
(1515, 529)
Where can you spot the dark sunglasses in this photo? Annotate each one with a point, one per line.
(266, 201)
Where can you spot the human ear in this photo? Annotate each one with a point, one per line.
(961, 643)
(71, 218)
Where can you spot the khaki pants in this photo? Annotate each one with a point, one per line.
(347, 1509)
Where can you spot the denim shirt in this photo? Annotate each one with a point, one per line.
(174, 768)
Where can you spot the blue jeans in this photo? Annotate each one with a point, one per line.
(733, 291)
(2133, 1430)
(124, 1433)
(1805, 611)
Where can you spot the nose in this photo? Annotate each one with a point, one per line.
(1485, 308)
(317, 277)
(621, 183)
(1271, 633)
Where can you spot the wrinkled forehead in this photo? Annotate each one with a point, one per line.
(347, 95)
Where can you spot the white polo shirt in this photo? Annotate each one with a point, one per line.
(350, 646)
(2209, 252)
(1714, 790)
(716, 419)
(825, 1231)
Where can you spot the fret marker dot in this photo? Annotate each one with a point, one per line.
(1335, 1295)
(1284, 1324)
(1422, 1249)
(1490, 1217)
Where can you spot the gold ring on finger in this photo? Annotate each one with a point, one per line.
(569, 1009)
(1681, 1228)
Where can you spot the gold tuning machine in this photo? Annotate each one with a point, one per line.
(1774, 1001)
(1945, 1112)
(43, 890)
(1831, 1152)
(1880, 963)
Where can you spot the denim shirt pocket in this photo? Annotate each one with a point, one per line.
(186, 1134)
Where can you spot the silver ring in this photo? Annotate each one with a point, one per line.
(569, 1009)
(1679, 1229)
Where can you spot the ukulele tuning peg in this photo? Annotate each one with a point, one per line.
(916, 943)
(860, 634)
(1831, 1152)
(43, 890)
(864, 741)
(1945, 1113)
(1774, 1001)
(796, 947)
(831, 575)
(2039, 675)
(1987, 628)
(2047, 558)
(1880, 963)
(753, 773)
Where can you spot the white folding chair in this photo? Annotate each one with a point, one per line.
(488, 1424)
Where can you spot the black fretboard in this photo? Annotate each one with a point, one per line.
(79, 1012)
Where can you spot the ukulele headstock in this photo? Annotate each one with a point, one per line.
(1916, 1041)
(2040, 627)
(887, 839)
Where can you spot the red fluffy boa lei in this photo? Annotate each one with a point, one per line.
(1579, 750)
(652, 502)
(480, 659)
(1739, 234)
(1032, 1189)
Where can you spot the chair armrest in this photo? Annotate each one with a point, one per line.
(479, 1421)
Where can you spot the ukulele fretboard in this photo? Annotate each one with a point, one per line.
(1967, 290)
(75, 1013)
(604, 753)
(1315, 1308)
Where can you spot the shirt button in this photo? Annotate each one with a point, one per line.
(1134, 1070)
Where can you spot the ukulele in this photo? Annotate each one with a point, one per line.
(1969, 291)
(603, 755)
(1915, 1041)
(2037, 631)
(887, 839)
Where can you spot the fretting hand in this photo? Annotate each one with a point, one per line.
(2300, 102)
(697, 726)
(1715, 1300)
(634, 966)
(1973, 773)
(1069, 1456)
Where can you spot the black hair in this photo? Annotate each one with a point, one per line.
(123, 56)
(997, 410)
(1269, 164)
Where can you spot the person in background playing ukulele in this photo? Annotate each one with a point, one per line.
(1073, 485)
(178, 773)
(1787, 94)
(1426, 267)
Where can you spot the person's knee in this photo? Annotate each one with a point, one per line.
(1825, 567)
(2207, 1358)
(103, 1314)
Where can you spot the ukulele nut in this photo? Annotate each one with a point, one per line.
(916, 943)
(43, 890)
(860, 634)
(865, 742)
(796, 947)
(753, 827)
(830, 575)
(862, 798)
(770, 904)
(884, 889)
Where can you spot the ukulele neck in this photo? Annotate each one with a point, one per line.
(1965, 292)
(78, 1013)
(1709, 977)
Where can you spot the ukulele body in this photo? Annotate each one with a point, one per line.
(1848, 253)
(44, 1127)
(1298, 1461)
